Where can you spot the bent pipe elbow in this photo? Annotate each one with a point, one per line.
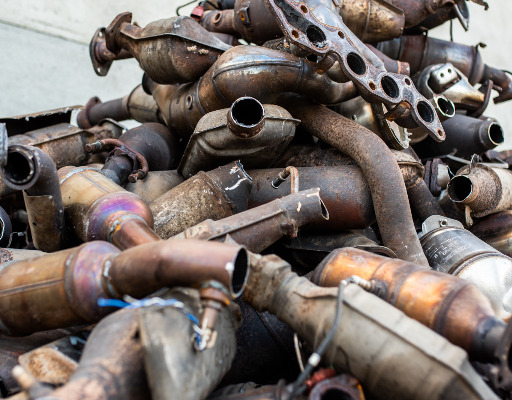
(379, 167)
(260, 72)
(32, 170)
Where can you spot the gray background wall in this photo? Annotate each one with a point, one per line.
(44, 59)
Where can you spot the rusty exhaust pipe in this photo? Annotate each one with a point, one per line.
(81, 276)
(433, 366)
(213, 195)
(137, 105)
(262, 226)
(256, 133)
(193, 48)
(465, 136)
(155, 184)
(379, 168)
(450, 306)
(260, 72)
(33, 171)
(421, 51)
(150, 146)
(99, 209)
(481, 190)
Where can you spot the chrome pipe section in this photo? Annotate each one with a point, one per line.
(262, 226)
(137, 105)
(99, 209)
(81, 276)
(213, 195)
(33, 171)
(411, 349)
(150, 46)
(453, 250)
(256, 133)
(379, 168)
(465, 136)
(480, 190)
(259, 72)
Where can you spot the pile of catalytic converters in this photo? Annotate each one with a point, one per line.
(311, 208)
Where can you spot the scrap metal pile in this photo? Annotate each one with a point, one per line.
(311, 208)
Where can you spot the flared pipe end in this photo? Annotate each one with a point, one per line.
(492, 135)
(445, 108)
(461, 189)
(246, 117)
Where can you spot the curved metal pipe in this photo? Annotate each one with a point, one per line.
(153, 141)
(417, 10)
(33, 171)
(259, 72)
(82, 275)
(99, 209)
(379, 168)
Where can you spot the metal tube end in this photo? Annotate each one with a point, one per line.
(246, 117)
(460, 189)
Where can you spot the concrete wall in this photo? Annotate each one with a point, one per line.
(47, 66)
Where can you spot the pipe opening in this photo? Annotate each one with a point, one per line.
(356, 63)
(240, 273)
(425, 111)
(335, 394)
(20, 168)
(325, 212)
(246, 117)
(316, 36)
(390, 87)
(460, 188)
(496, 134)
(446, 107)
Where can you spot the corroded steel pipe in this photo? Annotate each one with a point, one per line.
(255, 133)
(137, 105)
(394, 345)
(193, 49)
(465, 136)
(259, 72)
(343, 189)
(450, 306)
(482, 190)
(99, 209)
(417, 10)
(262, 226)
(62, 289)
(420, 51)
(495, 230)
(155, 184)
(379, 168)
(213, 195)
(32, 170)
(154, 142)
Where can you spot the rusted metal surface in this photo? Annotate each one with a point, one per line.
(165, 336)
(421, 51)
(481, 190)
(262, 226)
(343, 190)
(358, 64)
(111, 364)
(423, 295)
(255, 133)
(465, 136)
(213, 195)
(193, 48)
(379, 168)
(155, 184)
(32, 170)
(102, 210)
(495, 231)
(259, 72)
(30, 122)
(310, 311)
